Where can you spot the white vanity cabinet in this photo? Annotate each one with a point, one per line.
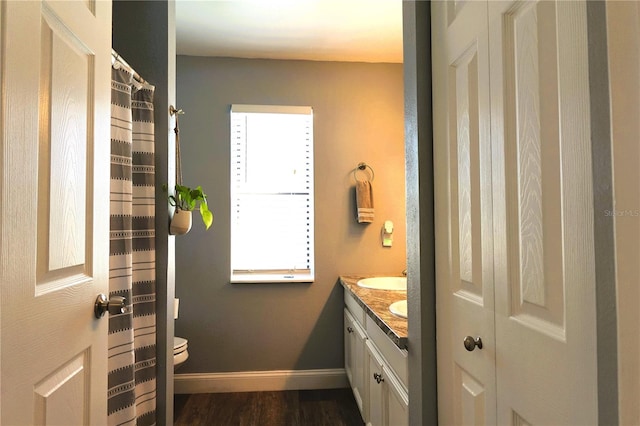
(376, 369)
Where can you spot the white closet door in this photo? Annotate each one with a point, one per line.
(464, 226)
(514, 213)
(543, 214)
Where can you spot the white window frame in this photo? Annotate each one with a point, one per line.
(255, 255)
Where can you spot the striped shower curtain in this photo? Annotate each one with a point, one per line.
(132, 335)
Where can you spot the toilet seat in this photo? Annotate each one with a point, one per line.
(180, 358)
(180, 353)
(179, 345)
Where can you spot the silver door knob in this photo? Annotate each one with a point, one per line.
(470, 343)
(350, 330)
(115, 305)
(378, 377)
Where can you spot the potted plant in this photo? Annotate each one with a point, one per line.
(185, 200)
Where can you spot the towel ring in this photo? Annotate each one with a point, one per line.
(362, 167)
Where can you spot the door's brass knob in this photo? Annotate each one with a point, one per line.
(115, 305)
(470, 343)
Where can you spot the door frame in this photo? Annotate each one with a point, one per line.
(416, 27)
(623, 52)
(2, 144)
(604, 230)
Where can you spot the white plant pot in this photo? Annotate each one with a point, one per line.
(180, 223)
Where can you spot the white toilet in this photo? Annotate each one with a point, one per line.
(180, 353)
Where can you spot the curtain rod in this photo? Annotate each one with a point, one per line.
(116, 57)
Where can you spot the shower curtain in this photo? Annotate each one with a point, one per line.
(132, 335)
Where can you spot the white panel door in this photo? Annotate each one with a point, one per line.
(55, 214)
(464, 227)
(543, 214)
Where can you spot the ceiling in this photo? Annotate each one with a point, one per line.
(322, 30)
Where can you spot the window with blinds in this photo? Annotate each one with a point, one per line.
(272, 194)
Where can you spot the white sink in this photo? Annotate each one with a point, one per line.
(384, 283)
(399, 308)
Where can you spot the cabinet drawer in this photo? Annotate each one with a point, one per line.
(395, 357)
(354, 307)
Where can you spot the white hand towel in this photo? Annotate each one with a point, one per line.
(364, 201)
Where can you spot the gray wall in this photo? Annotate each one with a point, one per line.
(358, 116)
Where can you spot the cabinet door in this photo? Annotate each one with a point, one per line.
(354, 343)
(359, 393)
(395, 399)
(388, 400)
(348, 346)
(374, 385)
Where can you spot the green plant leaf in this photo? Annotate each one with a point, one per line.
(197, 194)
(183, 198)
(207, 216)
(182, 189)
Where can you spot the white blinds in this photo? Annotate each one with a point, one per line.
(271, 194)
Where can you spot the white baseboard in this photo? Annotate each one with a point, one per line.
(251, 381)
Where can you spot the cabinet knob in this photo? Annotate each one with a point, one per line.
(350, 330)
(378, 377)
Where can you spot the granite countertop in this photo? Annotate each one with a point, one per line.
(376, 304)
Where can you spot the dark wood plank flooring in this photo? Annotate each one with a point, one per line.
(326, 407)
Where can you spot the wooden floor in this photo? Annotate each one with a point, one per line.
(332, 407)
